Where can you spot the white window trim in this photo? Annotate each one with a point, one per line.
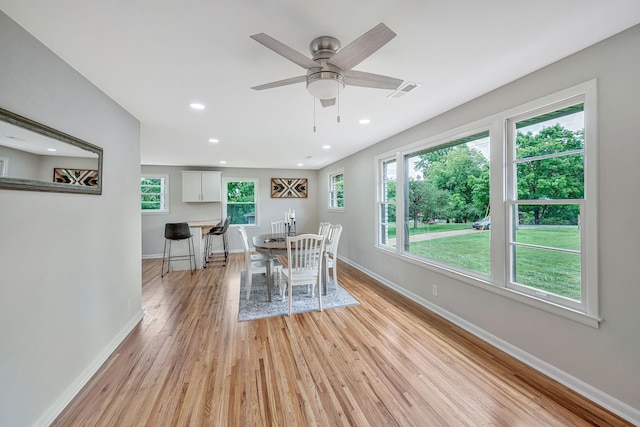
(330, 176)
(4, 166)
(379, 160)
(167, 204)
(588, 222)
(589, 314)
(256, 194)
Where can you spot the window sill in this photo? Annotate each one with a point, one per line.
(155, 212)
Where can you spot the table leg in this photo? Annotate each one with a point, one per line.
(324, 273)
(269, 269)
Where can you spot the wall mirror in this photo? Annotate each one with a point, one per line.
(35, 157)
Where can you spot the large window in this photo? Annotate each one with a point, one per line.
(387, 177)
(508, 202)
(546, 202)
(336, 190)
(154, 193)
(447, 190)
(241, 201)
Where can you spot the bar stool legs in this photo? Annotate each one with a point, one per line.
(175, 232)
(217, 260)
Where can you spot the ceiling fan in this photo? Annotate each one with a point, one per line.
(330, 68)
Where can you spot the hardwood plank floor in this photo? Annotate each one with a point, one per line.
(384, 362)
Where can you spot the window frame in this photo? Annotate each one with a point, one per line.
(381, 200)
(332, 202)
(256, 198)
(4, 166)
(165, 209)
(587, 312)
(588, 222)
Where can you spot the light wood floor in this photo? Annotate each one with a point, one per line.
(384, 362)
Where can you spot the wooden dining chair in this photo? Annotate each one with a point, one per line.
(254, 263)
(324, 228)
(278, 227)
(304, 265)
(331, 255)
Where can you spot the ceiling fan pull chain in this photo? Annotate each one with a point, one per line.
(314, 114)
(338, 99)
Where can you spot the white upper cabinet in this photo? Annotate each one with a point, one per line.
(201, 186)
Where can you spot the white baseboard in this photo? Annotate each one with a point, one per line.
(58, 406)
(614, 405)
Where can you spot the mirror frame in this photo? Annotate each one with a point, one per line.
(9, 183)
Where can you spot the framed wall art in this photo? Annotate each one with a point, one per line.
(82, 177)
(288, 188)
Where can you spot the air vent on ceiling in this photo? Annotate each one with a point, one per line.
(404, 89)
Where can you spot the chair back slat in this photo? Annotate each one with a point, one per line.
(304, 253)
(278, 227)
(324, 228)
(334, 238)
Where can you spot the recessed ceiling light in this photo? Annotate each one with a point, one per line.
(51, 149)
(300, 164)
(364, 121)
(197, 106)
(223, 162)
(326, 147)
(214, 140)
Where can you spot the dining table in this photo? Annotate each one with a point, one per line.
(273, 246)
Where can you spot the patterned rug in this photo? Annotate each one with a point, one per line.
(257, 306)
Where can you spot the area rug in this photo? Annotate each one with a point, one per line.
(257, 306)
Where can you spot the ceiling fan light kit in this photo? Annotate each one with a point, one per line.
(325, 84)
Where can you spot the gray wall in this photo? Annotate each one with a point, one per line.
(22, 165)
(269, 209)
(70, 274)
(603, 362)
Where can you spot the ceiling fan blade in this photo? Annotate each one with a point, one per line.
(362, 47)
(289, 81)
(284, 50)
(360, 78)
(328, 102)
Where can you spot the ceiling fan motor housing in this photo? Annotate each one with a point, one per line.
(325, 81)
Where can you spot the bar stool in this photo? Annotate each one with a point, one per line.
(175, 232)
(218, 260)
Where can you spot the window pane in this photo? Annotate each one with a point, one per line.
(240, 191)
(556, 132)
(548, 271)
(336, 194)
(389, 180)
(388, 224)
(244, 213)
(151, 205)
(446, 193)
(556, 226)
(464, 248)
(551, 178)
(241, 202)
(153, 194)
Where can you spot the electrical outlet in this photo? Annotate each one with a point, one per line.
(435, 290)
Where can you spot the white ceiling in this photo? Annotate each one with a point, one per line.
(155, 57)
